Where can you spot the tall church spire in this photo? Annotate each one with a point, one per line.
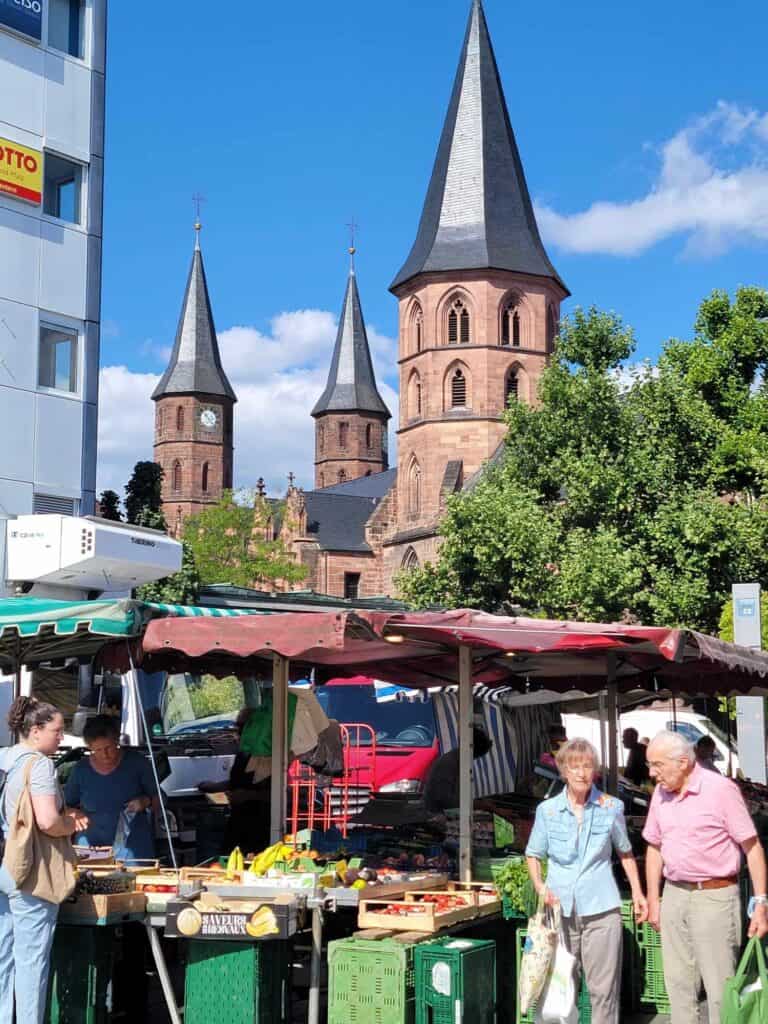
(478, 212)
(195, 364)
(351, 383)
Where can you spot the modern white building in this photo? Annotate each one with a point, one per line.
(52, 77)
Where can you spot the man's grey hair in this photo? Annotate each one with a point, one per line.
(674, 744)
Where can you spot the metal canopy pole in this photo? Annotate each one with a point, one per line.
(613, 731)
(466, 714)
(279, 746)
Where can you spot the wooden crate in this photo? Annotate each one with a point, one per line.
(426, 920)
(106, 908)
(488, 901)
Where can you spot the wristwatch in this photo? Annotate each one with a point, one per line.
(755, 902)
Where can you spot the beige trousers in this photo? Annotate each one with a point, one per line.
(595, 941)
(700, 940)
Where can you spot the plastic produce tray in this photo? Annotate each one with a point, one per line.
(370, 982)
(455, 981)
(236, 983)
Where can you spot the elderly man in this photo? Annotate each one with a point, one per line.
(696, 830)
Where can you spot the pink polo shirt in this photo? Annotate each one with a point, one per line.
(700, 832)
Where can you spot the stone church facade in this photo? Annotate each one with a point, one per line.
(479, 303)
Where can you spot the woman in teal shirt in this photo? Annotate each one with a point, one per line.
(576, 832)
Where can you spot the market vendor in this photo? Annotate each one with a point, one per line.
(116, 789)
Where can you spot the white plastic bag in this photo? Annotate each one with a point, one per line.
(558, 1002)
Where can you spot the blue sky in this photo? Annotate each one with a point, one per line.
(642, 129)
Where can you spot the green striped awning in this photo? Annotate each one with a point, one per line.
(196, 611)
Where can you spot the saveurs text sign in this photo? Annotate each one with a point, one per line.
(21, 170)
(25, 16)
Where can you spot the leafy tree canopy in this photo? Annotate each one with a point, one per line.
(183, 586)
(227, 548)
(143, 490)
(109, 504)
(635, 494)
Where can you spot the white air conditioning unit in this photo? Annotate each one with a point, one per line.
(50, 554)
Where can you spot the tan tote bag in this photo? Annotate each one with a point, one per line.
(40, 865)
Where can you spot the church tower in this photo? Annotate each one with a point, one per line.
(479, 301)
(193, 409)
(350, 416)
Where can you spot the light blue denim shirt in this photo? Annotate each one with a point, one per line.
(579, 868)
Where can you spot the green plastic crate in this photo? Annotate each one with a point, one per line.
(585, 1006)
(455, 981)
(80, 978)
(236, 982)
(370, 982)
(649, 985)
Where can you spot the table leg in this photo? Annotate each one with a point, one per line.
(162, 972)
(313, 1016)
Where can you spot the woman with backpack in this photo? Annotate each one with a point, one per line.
(27, 922)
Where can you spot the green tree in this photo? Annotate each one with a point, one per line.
(143, 490)
(622, 495)
(229, 547)
(109, 506)
(183, 586)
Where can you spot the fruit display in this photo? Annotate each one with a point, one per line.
(212, 916)
(92, 883)
(419, 911)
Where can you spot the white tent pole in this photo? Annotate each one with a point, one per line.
(279, 746)
(613, 726)
(465, 762)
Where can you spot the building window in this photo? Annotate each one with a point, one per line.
(511, 387)
(414, 396)
(65, 26)
(458, 324)
(61, 188)
(369, 437)
(180, 417)
(351, 585)
(510, 325)
(205, 478)
(551, 327)
(176, 477)
(417, 322)
(57, 366)
(51, 504)
(414, 488)
(321, 479)
(320, 436)
(410, 560)
(343, 434)
(458, 389)
(342, 476)
(161, 419)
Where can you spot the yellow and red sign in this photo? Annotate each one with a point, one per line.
(21, 171)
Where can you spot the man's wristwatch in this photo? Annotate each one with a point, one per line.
(755, 902)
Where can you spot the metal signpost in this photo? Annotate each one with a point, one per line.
(750, 711)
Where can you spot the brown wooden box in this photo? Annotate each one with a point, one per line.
(106, 908)
(370, 916)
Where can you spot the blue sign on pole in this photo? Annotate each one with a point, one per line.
(25, 16)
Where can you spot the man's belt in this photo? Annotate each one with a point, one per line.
(709, 883)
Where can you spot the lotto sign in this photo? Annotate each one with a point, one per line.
(25, 16)
(21, 170)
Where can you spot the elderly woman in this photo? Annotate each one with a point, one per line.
(576, 832)
(106, 784)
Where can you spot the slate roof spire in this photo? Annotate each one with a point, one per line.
(478, 212)
(195, 364)
(351, 383)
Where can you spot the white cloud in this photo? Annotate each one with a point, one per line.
(712, 186)
(277, 377)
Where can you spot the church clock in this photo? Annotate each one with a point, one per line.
(209, 418)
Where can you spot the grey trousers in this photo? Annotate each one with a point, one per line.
(700, 939)
(596, 941)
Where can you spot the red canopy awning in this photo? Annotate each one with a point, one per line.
(419, 649)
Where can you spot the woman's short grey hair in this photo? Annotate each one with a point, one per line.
(572, 749)
(674, 744)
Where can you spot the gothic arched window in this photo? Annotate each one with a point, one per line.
(321, 479)
(369, 436)
(417, 328)
(414, 488)
(458, 388)
(343, 434)
(510, 324)
(342, 476)
(205, 478)
(410, 560)
(161, 419)
(458, 323)
(511, 387)
(413, 410)
(320, 436)
(180, 417)
(551, 327)
(176, 477)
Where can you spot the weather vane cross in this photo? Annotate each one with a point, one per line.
(353, 226)
(197, 201)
